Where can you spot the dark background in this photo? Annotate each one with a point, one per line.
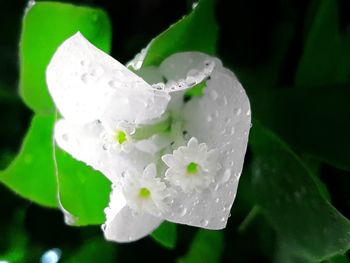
(247, 40)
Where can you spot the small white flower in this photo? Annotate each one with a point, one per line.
(145, 192)
(192, 167)
(119, 139)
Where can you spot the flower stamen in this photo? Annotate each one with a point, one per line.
(192, 168)
(120, 136)
(144, 193)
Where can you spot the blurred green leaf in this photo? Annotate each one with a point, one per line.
(290, 196)
(338, 259)
(197, 31)
(326, 56)
(94, 250)
(166, 234)
(313, 122)
(207, 246)
(31, 173)
(45, 26)
(16, 240)
(84, 192)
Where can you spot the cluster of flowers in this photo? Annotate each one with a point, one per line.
(169, 153)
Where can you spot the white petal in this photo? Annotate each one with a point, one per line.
(85, 144)
(124, 225)
(82, 142)
(86, 84)
(221, 119)
(154, 144)
(183, 71)
(150, 171)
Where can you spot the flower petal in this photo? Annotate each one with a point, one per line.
(85, 144)
(125, 225)
(87, 84)
(220, 118)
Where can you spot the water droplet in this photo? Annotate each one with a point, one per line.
(97, 72)
(209, 118)
(238, 111)
(209, 66)
(159, 86)
(204, 222)
(181, 211)
(233, 130)
(217, 200)
(226, 176)
(223, 219)
(190, 81)
(114, 83)
(248, 112)
(85, 78)
(213, 95)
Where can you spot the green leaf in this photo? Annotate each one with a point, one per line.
(326, 56)
(93, 250)
(166, 234)
(84, 192)
(16, 240)
(208, 245)
(197, 31)
(290, 196)
(313, 122)
(31, 173)
(45, 26)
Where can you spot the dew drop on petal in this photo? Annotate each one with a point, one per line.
(85, 78)
(238, 111)
(97, 72)
(181, 211)
(204, 222)
(190, 81)
(226, 176)
(65, 137)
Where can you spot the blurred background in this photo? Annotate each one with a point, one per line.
(262, 41)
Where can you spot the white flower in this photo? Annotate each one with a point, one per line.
(107, 112)
(119, 139)
(145, 192)
(192, 167)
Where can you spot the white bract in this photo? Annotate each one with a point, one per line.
(169, 154)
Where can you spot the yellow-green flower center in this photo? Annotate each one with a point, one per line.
(120, 137)
(192, 168)
(144, 193)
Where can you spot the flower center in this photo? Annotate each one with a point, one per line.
(144, 193)
(192, 168)
(120, 137)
